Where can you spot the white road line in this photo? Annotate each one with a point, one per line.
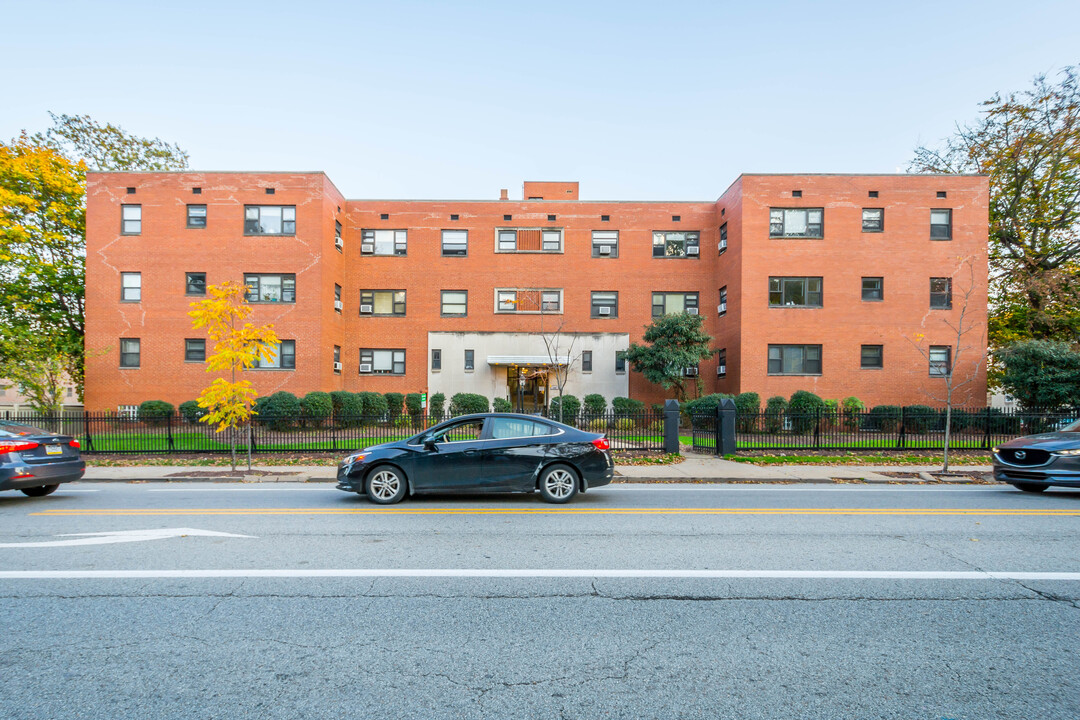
(744, 488)
(540, 573)
(325, 487)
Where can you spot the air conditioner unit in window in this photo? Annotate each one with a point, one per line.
(337, 367)
(604, 310)
(339, 243)
(721, 308)
(690, 372)
(338, 305)
(693, 250)
(365, 367)
(722, 245)
(721, 369)
(366, 309)
(367, 248)
(691, 311)
(605, 249)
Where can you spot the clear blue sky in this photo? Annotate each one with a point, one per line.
(654, 101)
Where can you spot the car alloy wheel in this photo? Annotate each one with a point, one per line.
(558, 484)
(385, 485)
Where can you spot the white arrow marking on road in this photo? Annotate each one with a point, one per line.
(122, 536)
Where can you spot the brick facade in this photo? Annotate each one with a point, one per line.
(903, 254)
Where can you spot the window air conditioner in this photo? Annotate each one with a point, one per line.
(367, 248)
(721, 308)
(366, 309)
(337, 367)
(721, 369)
(691, 372)
(605, 249)
(365, 367)
(604, 310)
(338, 305)
(693, 250)
(722, 245)
(691, 311)
(339, 243)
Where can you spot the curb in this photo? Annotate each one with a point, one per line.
(257, 479)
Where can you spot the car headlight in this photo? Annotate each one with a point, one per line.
(1075, 451)
(355, 458)
(995, 450)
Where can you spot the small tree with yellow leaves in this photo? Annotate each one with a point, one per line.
(237, 347)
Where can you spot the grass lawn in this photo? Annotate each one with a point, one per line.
(852, 459)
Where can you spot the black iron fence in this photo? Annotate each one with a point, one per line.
(131, 434)
(881, 428)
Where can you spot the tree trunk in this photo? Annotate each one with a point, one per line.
(249, 444)
(232, 446)
(948, 431)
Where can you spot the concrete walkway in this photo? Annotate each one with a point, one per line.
(692, 469)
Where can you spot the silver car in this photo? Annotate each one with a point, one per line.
(1035, 462)
(36, 461)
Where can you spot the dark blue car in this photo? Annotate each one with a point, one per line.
(494, 452)
(36, 461)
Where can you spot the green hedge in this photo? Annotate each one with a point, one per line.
(626, 406)
(316, 408)
(775, 407)
(885, 418)
(564, 409)
(468, 403)
(394, 403)
(373, 404)
(594, 404)
(280, 411)
(502, 405)
(805, 408)
(347, 408)
(437, 406)
(156, 412)
(191, 411)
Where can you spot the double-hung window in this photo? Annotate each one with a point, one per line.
(384, 242)
(873, 288)
(130, 286)
(269, 219)
(131, 219)
(455, 303)
(382, 362)
(605, 304)
(549, 240)
(722, 245)
(941, 224)
(605, 243)
(721, 362)
(195, 283)
(455, 243)
(796, 222)
(871, 357)
(721, 309)
(382, 302)
(524, 301)
(194, 350)
(337, 359)
(196, 216)
(586, 361)
(941, 293)
(436, 359)
(270, 288)
(940, 361)
(676, 244)
(667, 303)
(470, 360)
(620, 361)
(130, 352)
(794, 359)
(284, 357)
(795, 292)
(873, 219)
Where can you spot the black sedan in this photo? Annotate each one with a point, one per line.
(494, 452)
(1035, 462)
(36, 461)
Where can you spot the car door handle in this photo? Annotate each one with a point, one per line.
(470, 452)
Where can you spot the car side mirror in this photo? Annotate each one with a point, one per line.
(429, 443)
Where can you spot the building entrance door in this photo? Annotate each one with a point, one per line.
(527, 388)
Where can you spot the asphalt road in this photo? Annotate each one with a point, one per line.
(639, 601)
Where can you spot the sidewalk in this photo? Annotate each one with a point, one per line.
(692, 469)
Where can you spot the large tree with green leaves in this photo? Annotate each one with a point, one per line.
(1042, 374)
(672, 343)
(43, 243)
(1028, 143)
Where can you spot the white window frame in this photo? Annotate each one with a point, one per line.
(392, 361)
(457, 240)
(126, 285)
(464, 304)
(605, 238)
(506, 301)
(376, 242)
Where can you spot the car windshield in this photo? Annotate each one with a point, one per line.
(1074, 427)
(14, 430)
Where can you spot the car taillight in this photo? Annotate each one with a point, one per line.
(74, 444)
(15, 446)
(601, 443)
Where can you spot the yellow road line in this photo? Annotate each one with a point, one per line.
(90, 512)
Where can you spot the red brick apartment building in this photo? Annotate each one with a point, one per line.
(818, 282)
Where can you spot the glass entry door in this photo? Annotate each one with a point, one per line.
(527, 389)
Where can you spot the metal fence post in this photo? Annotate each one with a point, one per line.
(725, 427)
(172, 446)
(86, 432)
(817, 429)
(671, 426)
(986, 434)
(903, 428)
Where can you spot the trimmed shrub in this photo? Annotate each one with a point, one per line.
(394, 403)
(347, 408)
(851, 409)
(156, 412)
(373, 404)
(315, 408)
(920, 418)
(656, 427)
(437, 406)
(626, 406)
(597, 424)
(414, 405)
(403, 420)
(564, 409)
(885, 418)
(706, 404)
(501, 405)
(468, 403)
(280, 411)
(594, 404)
(805, 409)
(832, 412)
(775, 407)
(624, 424)
(191, 411)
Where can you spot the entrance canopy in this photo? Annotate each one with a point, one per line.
(527, 360)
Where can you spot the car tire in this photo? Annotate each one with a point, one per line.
(558, 484)
(385, 485)
(1030, 487)
(40, 491)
